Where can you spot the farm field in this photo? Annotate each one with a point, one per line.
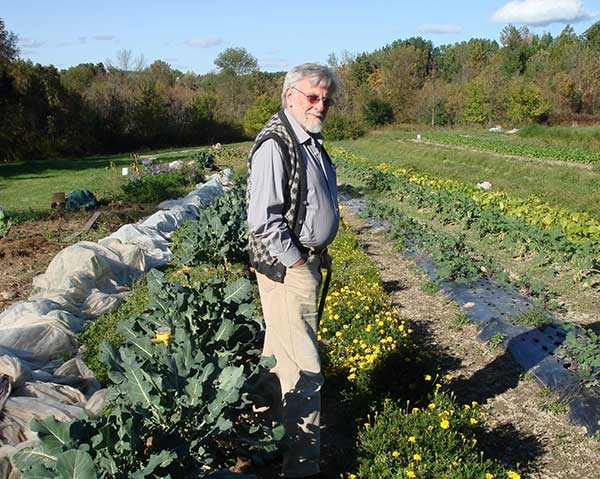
(25, 187)
(521, 428)
(38, 232)
(565, 184)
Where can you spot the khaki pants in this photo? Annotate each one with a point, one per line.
(290, 312)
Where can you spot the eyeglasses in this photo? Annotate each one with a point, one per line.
(314, 99)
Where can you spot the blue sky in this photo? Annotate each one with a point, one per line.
(190, 34)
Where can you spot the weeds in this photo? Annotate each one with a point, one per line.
(496, 341)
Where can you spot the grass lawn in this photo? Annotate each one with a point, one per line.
(26, 187)
(561, 185)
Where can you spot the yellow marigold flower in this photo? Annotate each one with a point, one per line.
(475, 403)
(431, 405)
(395, 454)
(513, 475)
(489, 475)
(380, 323)
(415, 410)
(445, 424)
(427, 377)
(324, 330)
(366, 425)
(437, 386)
(367, 308)
(473, 421)
(412, 439)
(467, 407)
(351, 377)
(336, 316)
(345, 326)
(412, 474)
(354, 476)
(447, 377)
(357, 316)
(338, 334)
(417, 457)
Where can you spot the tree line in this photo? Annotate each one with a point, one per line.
(126, 106)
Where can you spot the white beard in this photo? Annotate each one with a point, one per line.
(314, 126)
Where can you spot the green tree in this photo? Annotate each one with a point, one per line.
(8, 44)
(377, 112)
(257, 115)
(237, 61)
(516, 49)
(526, 103)
(477, 107)
(80, 77)
(592, 37)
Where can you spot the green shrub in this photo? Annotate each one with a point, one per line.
(437, 441)
(153, 185)
(205, 160)
(340, 127)
(259, 112)
(377, 112)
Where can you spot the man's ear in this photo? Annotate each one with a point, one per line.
(288, 94)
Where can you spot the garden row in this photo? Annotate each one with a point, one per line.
(442, 218)
(558, 234)
(511, 147)
(180, 357)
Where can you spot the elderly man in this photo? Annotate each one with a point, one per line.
(293, 215)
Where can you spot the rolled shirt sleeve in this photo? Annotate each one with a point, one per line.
(268, 181)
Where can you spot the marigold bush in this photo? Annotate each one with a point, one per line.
(436, 441)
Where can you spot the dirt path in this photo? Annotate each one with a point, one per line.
(531, 427)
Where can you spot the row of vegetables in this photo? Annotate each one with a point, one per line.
(511, 147)
(558, 233)
(460, 215)
(182, 356)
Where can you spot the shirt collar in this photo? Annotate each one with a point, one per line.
(302, 135)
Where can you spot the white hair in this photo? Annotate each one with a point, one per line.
(319, 75)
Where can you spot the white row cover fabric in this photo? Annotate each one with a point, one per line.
(82, 282)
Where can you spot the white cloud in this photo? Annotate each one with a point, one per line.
(203, 42)
(28, 43)
(434, 28)
(274, 64)
(542, 12)
(104, 38)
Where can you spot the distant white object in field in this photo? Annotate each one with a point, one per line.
(124, 171)
(217, 146)
(513, 131)
(418, 136)
(175, 165)
(496, 128)
(484, 185)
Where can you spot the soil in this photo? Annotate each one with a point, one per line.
(529, 428)
(29, 247)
